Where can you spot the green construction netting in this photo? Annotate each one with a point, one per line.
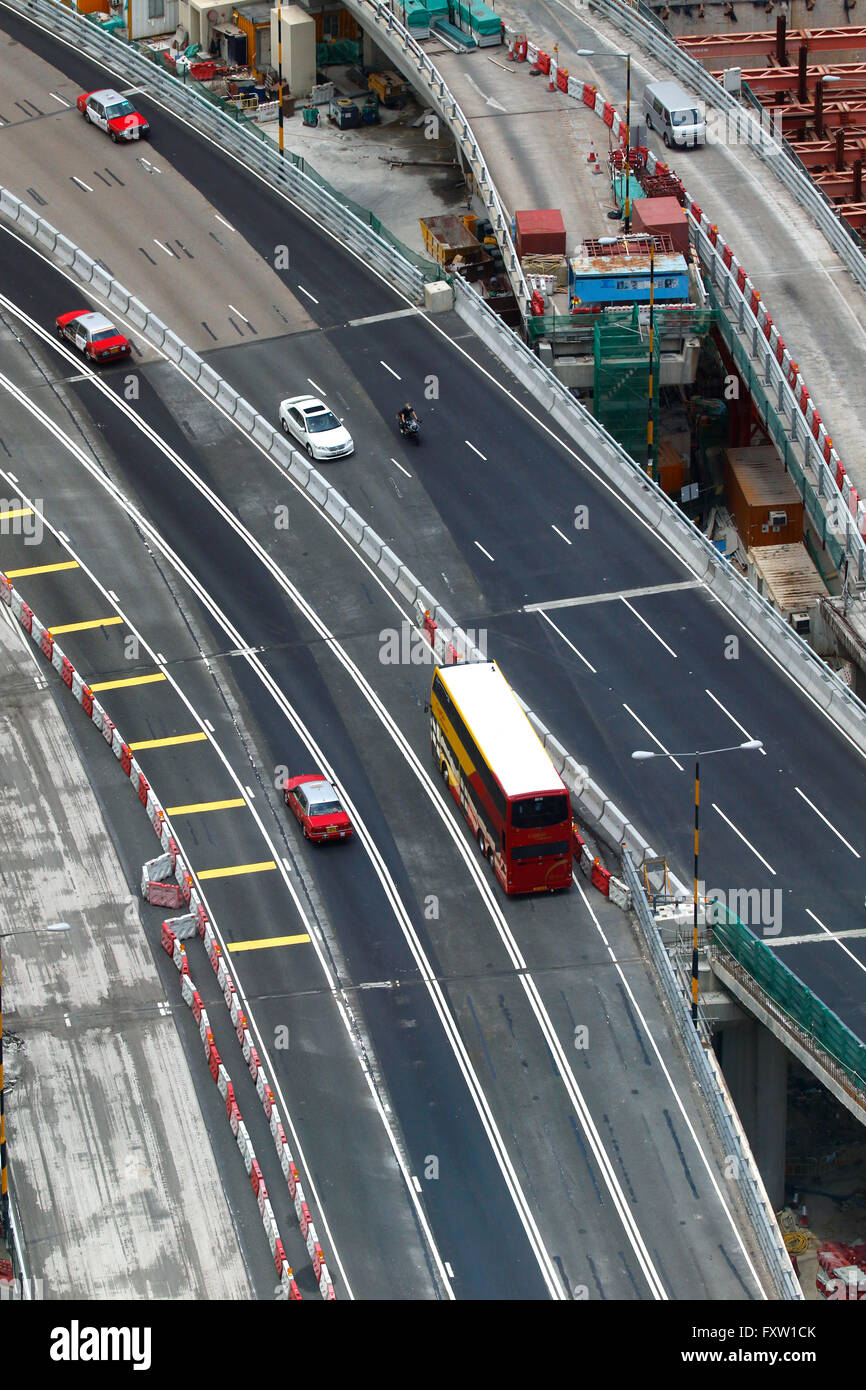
(787, 990)
(338, 51)
(620, 395)
(699, 321)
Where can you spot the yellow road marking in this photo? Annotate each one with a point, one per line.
(205, 806)
(237, 869)
(41, 569)
(81, 627)
(129, 680)
(16, 511)
(166, 742)
(268, 941)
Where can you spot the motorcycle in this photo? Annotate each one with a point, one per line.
(410, 429)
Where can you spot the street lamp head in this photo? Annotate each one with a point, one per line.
(640, 754)
(752, 744)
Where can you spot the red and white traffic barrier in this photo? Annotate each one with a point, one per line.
(174, 947)
(159, 875)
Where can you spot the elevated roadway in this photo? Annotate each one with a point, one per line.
(819, 308)
(495, 463)
(513, 521)
(601, 1139)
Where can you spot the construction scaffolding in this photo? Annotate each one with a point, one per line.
(620, 397)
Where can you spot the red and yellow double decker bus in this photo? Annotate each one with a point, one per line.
(516, 803)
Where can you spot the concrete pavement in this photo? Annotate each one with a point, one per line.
(117, 1188)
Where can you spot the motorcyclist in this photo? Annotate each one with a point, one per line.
(406, 415)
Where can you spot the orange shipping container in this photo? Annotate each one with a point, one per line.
(765, 504)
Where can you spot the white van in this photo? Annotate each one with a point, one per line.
(670, 111)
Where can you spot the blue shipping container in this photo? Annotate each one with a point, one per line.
(626, 279)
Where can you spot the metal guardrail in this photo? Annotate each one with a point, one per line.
(751, 335)
(777, 155)
(754, 338)
(246, 145)
(776, 988)
(730, 1133)
(665, 518)
(379, 17)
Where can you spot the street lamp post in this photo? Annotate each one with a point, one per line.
(4, 1177)
(595, 53)
(749, 746)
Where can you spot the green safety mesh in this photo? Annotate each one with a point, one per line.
(338, 51)
(824, 1028)
(568, 326)
(620, 397)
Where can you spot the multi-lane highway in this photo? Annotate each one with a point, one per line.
(467, 1013)
(529, 1167)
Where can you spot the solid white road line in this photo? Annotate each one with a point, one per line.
(559, 533)
(840, 944)
(829, 824)
(562, 635)
(383, 318)
(62, 100)
(307, 293)
(483, 551)
(647, 626)
(389, 369)
(286, 1113)
(167, 249)
(239, 314)
(81, 183)
(810, 939)
(608, 596)
(315, 387)
(225, 224)
(401, 468)
(709, 1166)
(736, 723)
(440, 1003)
(434, 794)
(746, 842)
(476, 451)
(649, 733)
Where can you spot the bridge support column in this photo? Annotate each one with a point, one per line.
(371, 54)
(755, 1065)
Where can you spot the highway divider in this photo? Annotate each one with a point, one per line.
(156, 873)
(451, 643)
(448, 640)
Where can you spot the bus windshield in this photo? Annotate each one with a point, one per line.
(538, 812)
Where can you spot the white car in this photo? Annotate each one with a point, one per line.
(316, 427)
